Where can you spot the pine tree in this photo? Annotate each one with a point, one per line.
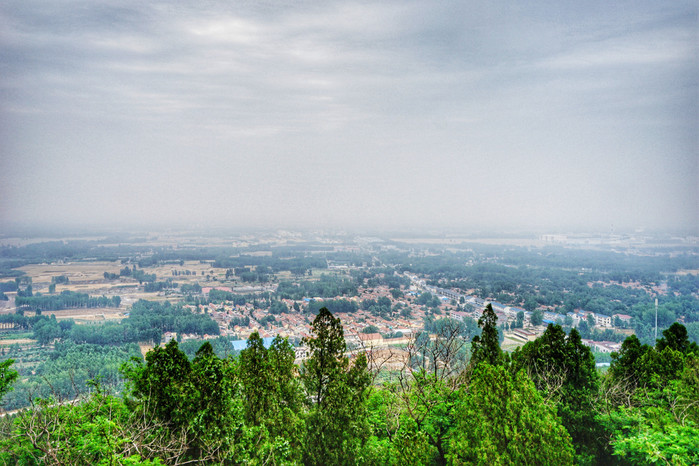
(486, 347)
(503, 420)
(337, 392)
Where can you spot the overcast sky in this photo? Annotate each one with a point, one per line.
(544, 115)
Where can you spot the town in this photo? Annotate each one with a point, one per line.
(385, 290)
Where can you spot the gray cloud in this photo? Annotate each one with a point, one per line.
(350, 113)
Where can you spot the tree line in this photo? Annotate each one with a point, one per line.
(65, 300)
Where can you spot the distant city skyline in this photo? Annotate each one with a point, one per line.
(454, 116)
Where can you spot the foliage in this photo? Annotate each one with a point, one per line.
(333, 305)
(563, 370)
(196, 397)
(486, 347)
(100, 430)
(336, 391)
(272, 399)
(537, 317)
(7, 376)
(64, 372)
(327, 286)
(65, 300)
(676, 444)
(650, 404)
(502, 419)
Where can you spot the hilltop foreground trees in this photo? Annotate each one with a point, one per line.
(271, 400)
(336, 394)
(564, 372)
(502, 419)
(649, 400)
(7, 376)
(543, 404)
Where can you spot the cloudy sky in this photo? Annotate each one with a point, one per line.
(544, 115)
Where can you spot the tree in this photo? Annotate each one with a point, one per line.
(278, 307)
(211, 405)
(337, 392)
(7, 376)
(530, 304)
(163, 382)
(46, 330)
(196, 398)
(675, 337)
(255, 379)
(271, 393)
(564, 371)
(426, 390)
(502, 419)
(656, 420)
(590, 320)
(623, 365)
(537, 317)
(486, 347)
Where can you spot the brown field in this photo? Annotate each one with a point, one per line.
(145, 348)
(77, 272)
(19, 341)
(95, 315)
(88, 277)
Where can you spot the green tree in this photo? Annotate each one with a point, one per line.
(676, 337)
(623, 366)
(537, 317)
(211, 405)
(271, 398)
(426, 390)
(502, 419)
(563, 370)
(530, 304)
(661, 426)
(7, 376)
(98, 430)
(163, 382)
(336, 425)
(486, 347)
(650, 401)
(196, 398)
(590, 320)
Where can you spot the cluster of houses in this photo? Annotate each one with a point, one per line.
(297, 326)
(602, 346)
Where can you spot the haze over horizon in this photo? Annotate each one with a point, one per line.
(544, 115)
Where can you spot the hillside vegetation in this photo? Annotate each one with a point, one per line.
(543, 404)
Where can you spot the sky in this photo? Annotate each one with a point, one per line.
(543, 115)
